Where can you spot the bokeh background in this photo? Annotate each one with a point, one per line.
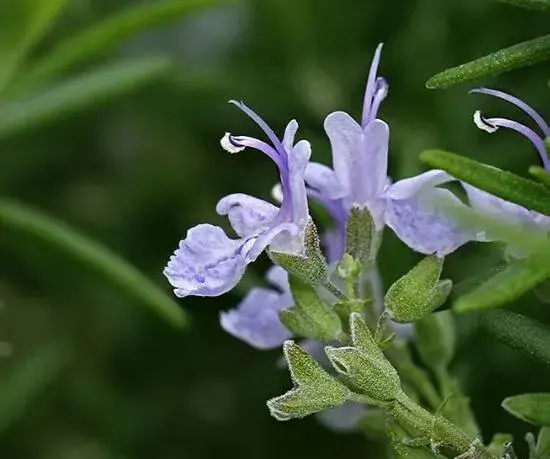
(86, 370)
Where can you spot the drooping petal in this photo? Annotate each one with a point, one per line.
(421, 217)
(248, 215)
(407, 188)
(207, 262)
(256, 319)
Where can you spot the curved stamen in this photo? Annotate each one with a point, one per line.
(371, 86)
(262, 124)
(380, 94)
(492, 124)
(530, 111)
(235, 144)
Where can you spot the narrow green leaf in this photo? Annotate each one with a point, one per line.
(519, 332)
(514, 280)
(78, 93)
(541, 5)
(24, 23)
(115, 269)
(27, 380)
(543, 444)
(541, 175)
(533, 408)
(511, 187)
(109, 33)
(504, 60)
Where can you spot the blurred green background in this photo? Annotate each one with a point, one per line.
(86, 371)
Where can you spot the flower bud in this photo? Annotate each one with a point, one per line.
(314, 389)
(418, 292)
(365, 374)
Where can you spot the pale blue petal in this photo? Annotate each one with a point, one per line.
(256, 319)
(290, 134)
(406, 188)
(334, 243)
(298, 159)
(423, 221)
(360, 158)
(248, 215)
(343, 418)
(207, 262)
(285, 238)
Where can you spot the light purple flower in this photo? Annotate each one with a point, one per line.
(256, 319)
(208, 262)
(498, 208)
(415, 208)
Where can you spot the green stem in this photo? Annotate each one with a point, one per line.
(436, 429)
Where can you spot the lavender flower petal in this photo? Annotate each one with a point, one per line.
(418, 213)
(207, 262)
(247, 215)
(256, 319)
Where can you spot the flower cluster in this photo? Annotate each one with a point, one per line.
(210, 263)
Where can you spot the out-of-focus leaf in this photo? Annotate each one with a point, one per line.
(107, 34)
(115, 269)
(533, 408)
(542, 5)
(23, 24)
(78, 93)
(520, 55)
(27, 380)
(540, 174)
(517, 278)
(511, 187)
(519, 332)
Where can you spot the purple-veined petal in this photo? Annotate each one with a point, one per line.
(248, 215)
(256, 319)
(422, 221)
(207, 262)
(530, 111)
(371, 87)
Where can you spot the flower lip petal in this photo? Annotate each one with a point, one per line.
(207, 262)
